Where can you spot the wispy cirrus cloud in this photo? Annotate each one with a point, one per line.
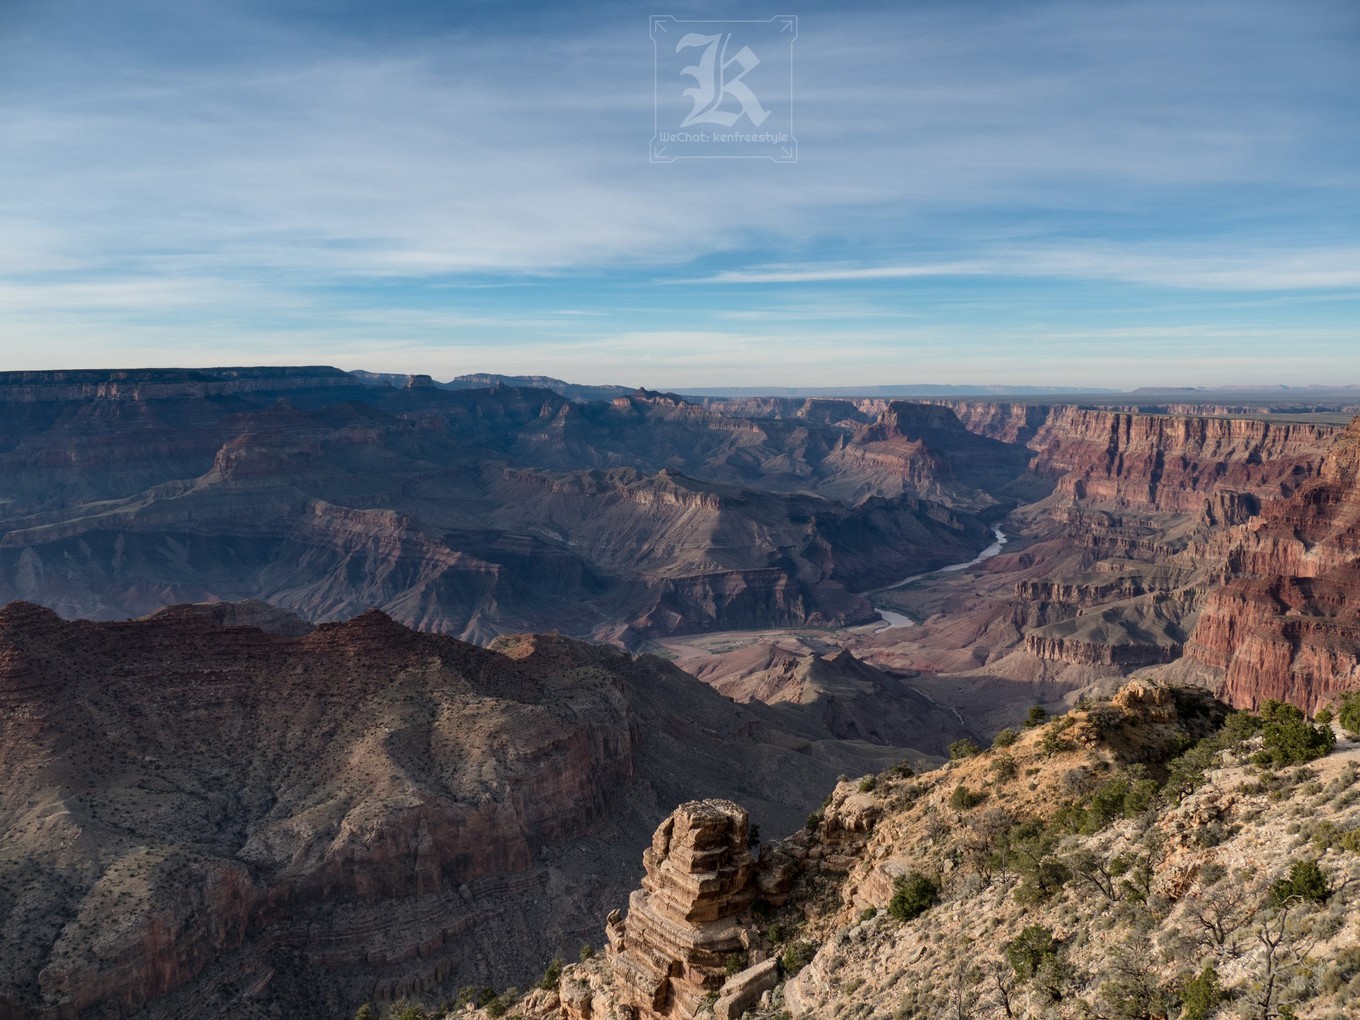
(475, 176)
(1187, 267)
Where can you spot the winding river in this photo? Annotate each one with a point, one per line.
(898, 619)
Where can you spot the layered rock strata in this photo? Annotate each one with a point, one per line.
(1147, 503)
(1285, 623)
(684, 929)
(1171, 463)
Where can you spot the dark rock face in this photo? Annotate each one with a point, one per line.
(1008, 422)
(300, 819)
(852, 699)
(471, 512)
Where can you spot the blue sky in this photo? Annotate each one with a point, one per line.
(1076, 193)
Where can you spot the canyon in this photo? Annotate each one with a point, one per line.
(1218, 550)
(470, 512)
(1147, 536)
(321, 687)
(223, 804)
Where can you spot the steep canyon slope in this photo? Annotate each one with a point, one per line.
(1286, 622)
(222, 809)
(1074, 873)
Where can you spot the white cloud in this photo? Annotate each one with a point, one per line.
(278, 176)
(1189, 266)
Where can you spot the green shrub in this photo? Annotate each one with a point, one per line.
(963, 798)
(913, 894)
(1126, 795)
(1004, 738)
(551, 976)
(1288, 737)
(1038, 715)
(1003, 767)
(964, 748)
(1028, 847)
(1238, 728)
(796, 957)
(476, 996)
(1323, 716)
(587, 952)
(1054, 743)
(813, 820)
(1042, 878)
(1323, 834)
(868, 784)
(1344, 968)
(734, 964)
(1305, 882)
(1348, 713)
(1211, 873)
(1030, 950)
(501, 1004)
(403, 1010)
(1201, 994)
(366, 1012)
(1185, 773)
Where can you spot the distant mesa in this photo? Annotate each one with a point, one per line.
(487, 380)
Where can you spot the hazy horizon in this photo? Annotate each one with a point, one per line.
(1321, 391)
(1111, 196)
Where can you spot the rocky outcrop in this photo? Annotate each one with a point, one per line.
(743, 990)
(825, 410)
(1146, 503)
(852, 699)
(1211, 853)
(1007, 422)
(220, 802)
(735, 600)
(1286, 622)
(926, 450)
(1038, 603)
(1093, 589)
(1134, 632)
(1078, 652)
(1168, 463)
(684, 929)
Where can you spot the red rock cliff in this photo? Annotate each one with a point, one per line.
(1286, 624)
(1168, 463)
